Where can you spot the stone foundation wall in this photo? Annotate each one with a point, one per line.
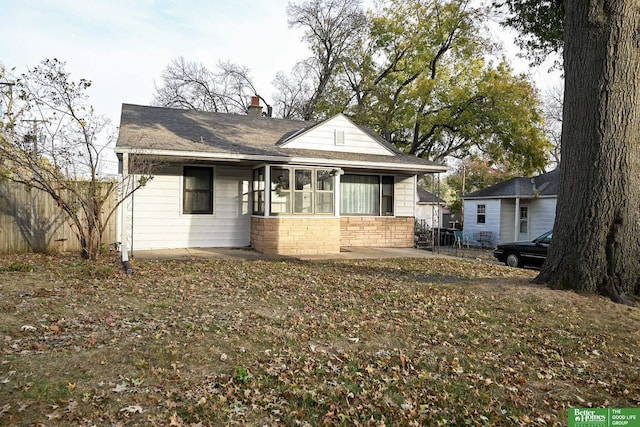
(318, 235)
(296, 236)
(377, 231)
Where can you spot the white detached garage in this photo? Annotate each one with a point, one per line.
(513, 210)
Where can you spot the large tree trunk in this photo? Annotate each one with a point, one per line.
(596, 242)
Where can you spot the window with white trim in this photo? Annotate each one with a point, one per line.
(324, 192)
(482, 214)
(280, 191)
(197, 197)
(387, 196)
(366, 195)
(257, 191)
(524, 219)
(301, 191)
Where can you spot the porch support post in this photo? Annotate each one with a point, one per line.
(336, 195)
(516, 225)
(267, 190)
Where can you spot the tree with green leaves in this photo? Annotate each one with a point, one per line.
(474, 174)
(420, 77)
(331, 27)
(52, 140)
(596, 247)
(539, 24)
(415, 71)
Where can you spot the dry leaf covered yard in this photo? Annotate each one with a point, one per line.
(372, 343)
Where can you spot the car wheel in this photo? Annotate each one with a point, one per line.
(513, 260)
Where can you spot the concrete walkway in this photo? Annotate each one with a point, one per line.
(248, 254)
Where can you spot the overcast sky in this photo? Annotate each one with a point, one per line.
(122, 46)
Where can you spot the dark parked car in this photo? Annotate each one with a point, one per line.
(519, 254)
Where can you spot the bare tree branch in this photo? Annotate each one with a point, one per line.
(52, 141)
(331, 27)
(190, 85)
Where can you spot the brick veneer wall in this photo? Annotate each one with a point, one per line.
(377, 231)
(295, 236)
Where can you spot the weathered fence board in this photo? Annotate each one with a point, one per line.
(30, 221)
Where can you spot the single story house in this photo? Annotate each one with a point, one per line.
(277, 186)
(430, 209)
(516, 209)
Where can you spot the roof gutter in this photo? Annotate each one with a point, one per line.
(234, 157)
(513, 196)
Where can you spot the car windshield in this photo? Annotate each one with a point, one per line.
(545, 238)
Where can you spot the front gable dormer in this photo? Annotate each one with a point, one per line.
(337, 134)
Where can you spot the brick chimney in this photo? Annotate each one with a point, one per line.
(255, 110)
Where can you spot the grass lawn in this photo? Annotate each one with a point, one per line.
(372, 343)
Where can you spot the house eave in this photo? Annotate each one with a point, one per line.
(236, 157)
(521, 196)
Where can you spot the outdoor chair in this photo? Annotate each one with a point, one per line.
(484, 238)
(460, 239)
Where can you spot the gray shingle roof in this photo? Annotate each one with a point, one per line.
(173, 130)
(541, 185)
(425, 196)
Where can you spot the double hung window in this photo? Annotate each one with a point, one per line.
(197, 195)
(280, 191)
(324, 192)
(482, 212)
(524, 219)
(257, 191)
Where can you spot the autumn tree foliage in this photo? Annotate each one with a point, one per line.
(418, 73)
(424, 74)
(332, 28)
(474, 174)
(539, 24)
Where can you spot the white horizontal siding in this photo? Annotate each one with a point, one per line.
(430, 213)
(158, 221)
(322, 138)
(492, 219)
(405, 195)
(507, 221)
(542, 216)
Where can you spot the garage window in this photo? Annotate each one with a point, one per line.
(482, 211)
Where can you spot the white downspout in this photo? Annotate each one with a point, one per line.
(124, 217)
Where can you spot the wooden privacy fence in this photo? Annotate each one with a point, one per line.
(31, 221)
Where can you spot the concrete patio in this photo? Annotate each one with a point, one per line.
(248, 254)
